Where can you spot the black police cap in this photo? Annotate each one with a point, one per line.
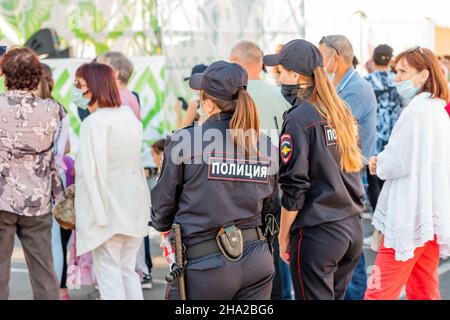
(220, 80)
(199, 68)
(298, 55)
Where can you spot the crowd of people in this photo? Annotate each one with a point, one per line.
(315, 150)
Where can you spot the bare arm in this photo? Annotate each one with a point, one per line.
(287, 219)
(178, 107)
(191, 113)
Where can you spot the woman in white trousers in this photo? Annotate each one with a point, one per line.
(112, 198)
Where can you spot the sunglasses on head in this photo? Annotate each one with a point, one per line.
(324, 40)
(419, 48)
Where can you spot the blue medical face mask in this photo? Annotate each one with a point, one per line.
(406, 89)
(78, 98)
(332, 75)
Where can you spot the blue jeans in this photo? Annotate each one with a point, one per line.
(358, 285)
(286, 280)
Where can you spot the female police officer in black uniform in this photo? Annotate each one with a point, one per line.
(216, 181)
(321, 227)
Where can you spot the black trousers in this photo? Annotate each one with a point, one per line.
(148, 254)
(277, 288)
(215, 278)
(65, 237)
(375, 185)
(323, 258)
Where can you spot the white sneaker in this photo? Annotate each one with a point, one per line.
(147, 282)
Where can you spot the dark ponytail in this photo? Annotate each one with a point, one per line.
(244, 124)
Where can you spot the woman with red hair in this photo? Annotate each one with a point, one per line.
(112, 200)
(413, 211)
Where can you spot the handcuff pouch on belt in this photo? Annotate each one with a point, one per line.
(231, 242)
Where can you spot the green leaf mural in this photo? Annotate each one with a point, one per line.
(105, 25)
(25, 17)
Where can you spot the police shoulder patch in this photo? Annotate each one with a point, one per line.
(330, 135)
(286, 148)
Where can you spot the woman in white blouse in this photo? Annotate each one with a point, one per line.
(112, 197)
(413, 211)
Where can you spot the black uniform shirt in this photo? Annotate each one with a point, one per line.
(310, 176)
(217, 192)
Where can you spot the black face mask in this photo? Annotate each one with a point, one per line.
(290, 92)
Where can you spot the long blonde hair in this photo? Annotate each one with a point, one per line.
(327, 102)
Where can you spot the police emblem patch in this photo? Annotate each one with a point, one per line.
(286, 148)
(330, 135)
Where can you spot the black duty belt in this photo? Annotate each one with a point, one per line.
(208, 247)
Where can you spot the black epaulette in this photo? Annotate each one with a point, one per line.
(289, 111)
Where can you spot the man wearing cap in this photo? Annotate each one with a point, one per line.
(217, 181)
(338, 54)
(320, 162)
(389, 106)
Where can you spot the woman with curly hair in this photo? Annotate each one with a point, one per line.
(29, 182)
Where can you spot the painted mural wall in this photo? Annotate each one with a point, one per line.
(201, 31)
(90, 27)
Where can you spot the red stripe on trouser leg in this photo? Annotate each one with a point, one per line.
(168, 292)
(299, 263)
(393, 274)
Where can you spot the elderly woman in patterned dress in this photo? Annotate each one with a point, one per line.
(29, 182)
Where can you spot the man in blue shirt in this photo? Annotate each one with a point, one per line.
(338, 56)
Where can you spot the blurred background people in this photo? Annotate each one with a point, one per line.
(445, 62)
(268, 99)
(275, 71)
(64, 164)
(123, 69)
(188, 113)
(157, 152)
(389, 106)
(271, 106)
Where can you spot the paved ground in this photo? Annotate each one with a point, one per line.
(20, 288)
